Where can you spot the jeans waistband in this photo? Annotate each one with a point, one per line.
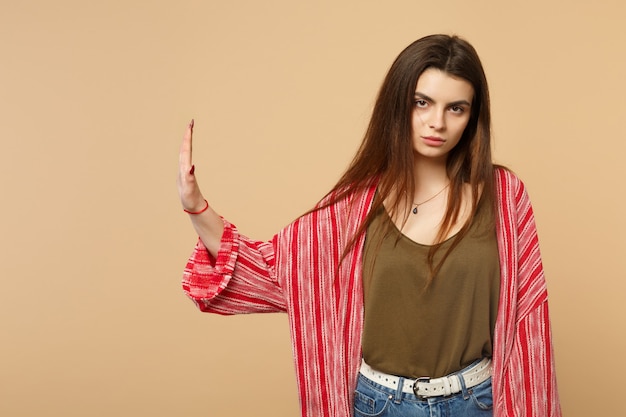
(435, 387)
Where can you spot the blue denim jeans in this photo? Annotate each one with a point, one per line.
(373, 399)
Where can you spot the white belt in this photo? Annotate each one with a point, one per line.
(426, 387)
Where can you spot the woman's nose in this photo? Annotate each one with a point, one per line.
(437, 120)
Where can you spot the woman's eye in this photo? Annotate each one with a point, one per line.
(457, 109)
(420, 103)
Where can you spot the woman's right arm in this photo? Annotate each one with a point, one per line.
(227, 273)
(208, 224)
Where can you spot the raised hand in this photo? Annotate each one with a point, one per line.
(190, 196)
(208, 223)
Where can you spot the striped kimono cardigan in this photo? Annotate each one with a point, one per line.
(301, 272)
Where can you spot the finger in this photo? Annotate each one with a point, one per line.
(185, 157)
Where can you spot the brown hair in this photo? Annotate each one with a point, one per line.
(386, 153)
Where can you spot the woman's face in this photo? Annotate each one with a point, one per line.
(440, 113)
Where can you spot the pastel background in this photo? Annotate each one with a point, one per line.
(95, 96)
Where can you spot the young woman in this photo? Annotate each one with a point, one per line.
(415, 287)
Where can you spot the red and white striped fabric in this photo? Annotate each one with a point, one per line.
(299, 272)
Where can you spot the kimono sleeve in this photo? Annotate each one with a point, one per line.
(530, 387)
(240, 280)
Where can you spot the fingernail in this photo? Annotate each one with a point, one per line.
(192, 170)
(191, 124)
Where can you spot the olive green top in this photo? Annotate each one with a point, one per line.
(411, 331)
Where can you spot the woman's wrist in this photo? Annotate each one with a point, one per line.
(200, 210)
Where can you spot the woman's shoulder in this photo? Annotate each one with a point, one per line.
(510, 187)
(505, 177)
(336, 212)
(347, 196)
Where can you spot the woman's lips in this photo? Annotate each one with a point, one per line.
(433, 140)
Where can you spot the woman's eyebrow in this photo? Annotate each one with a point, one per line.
(454, 103)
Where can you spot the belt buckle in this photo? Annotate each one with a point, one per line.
(420, 379)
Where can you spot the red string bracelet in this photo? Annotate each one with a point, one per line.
(198, 212)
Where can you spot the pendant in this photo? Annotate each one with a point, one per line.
(415, 210)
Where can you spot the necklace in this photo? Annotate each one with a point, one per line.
(416, 205)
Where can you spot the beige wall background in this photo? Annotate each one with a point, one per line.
(94, 98)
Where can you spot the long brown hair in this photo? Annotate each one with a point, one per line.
(386, 154)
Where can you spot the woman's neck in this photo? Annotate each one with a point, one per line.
(430, 175)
